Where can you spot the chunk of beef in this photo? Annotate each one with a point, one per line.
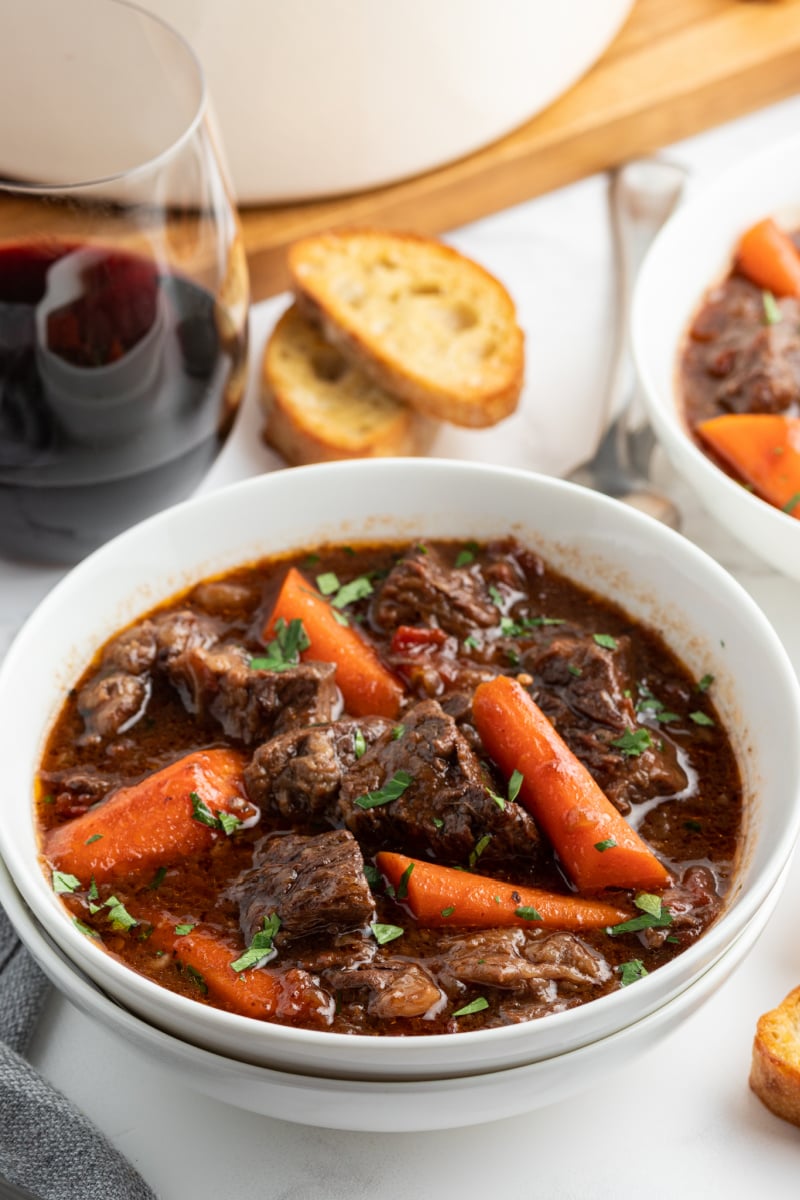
(446, 808)
(748, 365)
(111, 702)
(298, 774)
(314, 884)
(587, 692)
(75, 789)
(223, 596)
(396, 988)
(218, 682)
(693, 901)
(422, 589)
(516, 959)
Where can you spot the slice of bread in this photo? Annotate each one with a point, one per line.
(425, 323)
(775, 1072)
(319, 407)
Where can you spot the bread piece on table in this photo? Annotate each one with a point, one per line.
(775, 1072)
(427, 324)
(319, 407)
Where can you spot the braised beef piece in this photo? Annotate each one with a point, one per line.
(297, 774)
(422, 590)
(738, 362)
(73, 790)
(587, 692)
(314, 884)
(109, 702)
(446, 808)
(213, 679)
(517, 959)
(395, 988)
(693, 902)
(218, 682)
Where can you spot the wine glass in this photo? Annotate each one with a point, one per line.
(123, 280)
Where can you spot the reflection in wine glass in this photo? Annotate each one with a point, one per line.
(123, 280)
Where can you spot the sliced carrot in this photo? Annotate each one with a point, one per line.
(764, 451)
(596, 845)
(254, 993)
(152, 823)
(368, 687)
(770, 259)
(439, 896)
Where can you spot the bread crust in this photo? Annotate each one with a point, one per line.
(427, 324)
(775, 1070)
(320, 409)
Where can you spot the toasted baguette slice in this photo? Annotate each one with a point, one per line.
(775, 1072)
(319, 407)
(427, 324)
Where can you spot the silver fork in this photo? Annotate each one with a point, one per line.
(643, 193)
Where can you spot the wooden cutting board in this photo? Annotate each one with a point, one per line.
(677, 67)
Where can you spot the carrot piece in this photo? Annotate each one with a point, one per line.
(439, 896)
(764, 451)
(151, 824)
(770, 259)
(368, 687)
(253, 993)
(594, 842)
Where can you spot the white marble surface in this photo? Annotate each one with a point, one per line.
(681, 1121)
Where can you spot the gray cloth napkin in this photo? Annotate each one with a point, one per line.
(48, 1149)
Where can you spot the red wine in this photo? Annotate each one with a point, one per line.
(117, 386)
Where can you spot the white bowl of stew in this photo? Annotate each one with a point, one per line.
(392, 993)
(709, 342)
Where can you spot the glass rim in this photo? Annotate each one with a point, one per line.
(150, 164)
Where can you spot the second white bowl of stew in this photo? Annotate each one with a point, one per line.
(716, 332)
(408, 769)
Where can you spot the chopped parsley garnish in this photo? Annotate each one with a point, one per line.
(398, 732)
(511, 628)
(495, 596)
(328, 583)
(514, 784)
(573, 670)
(64, 884)
(527, 913)
(93, 893)
(606, 844)
(705, 683)
(499, 801)
(402, 887)
(261, 947)
(197, 979)
(655, 915)
(479, 848)
(421, 548)
(311, 560)
(791, 504)
(772, 310)
(392, 790)
(283, 652)
(359, 743)
(225, 821)
(438, 823)
(372, 875)
(630, 971)
(386, 933)
(118, 915)
(157, 879)
(605, 640)
(86, 930)
(649, 705)
(182, 930)
(48, 799)
(228, 822)
(96, 837)
(471, 643)
(700, 718)
(477, 1005)
(633, 742)
(348, 593)
(464, 558)
(448, 912)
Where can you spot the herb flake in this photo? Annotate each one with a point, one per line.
(284, 651)
(476, 1006)
(392, 790)
(633, 742)
(386, 933)
(261, 947)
